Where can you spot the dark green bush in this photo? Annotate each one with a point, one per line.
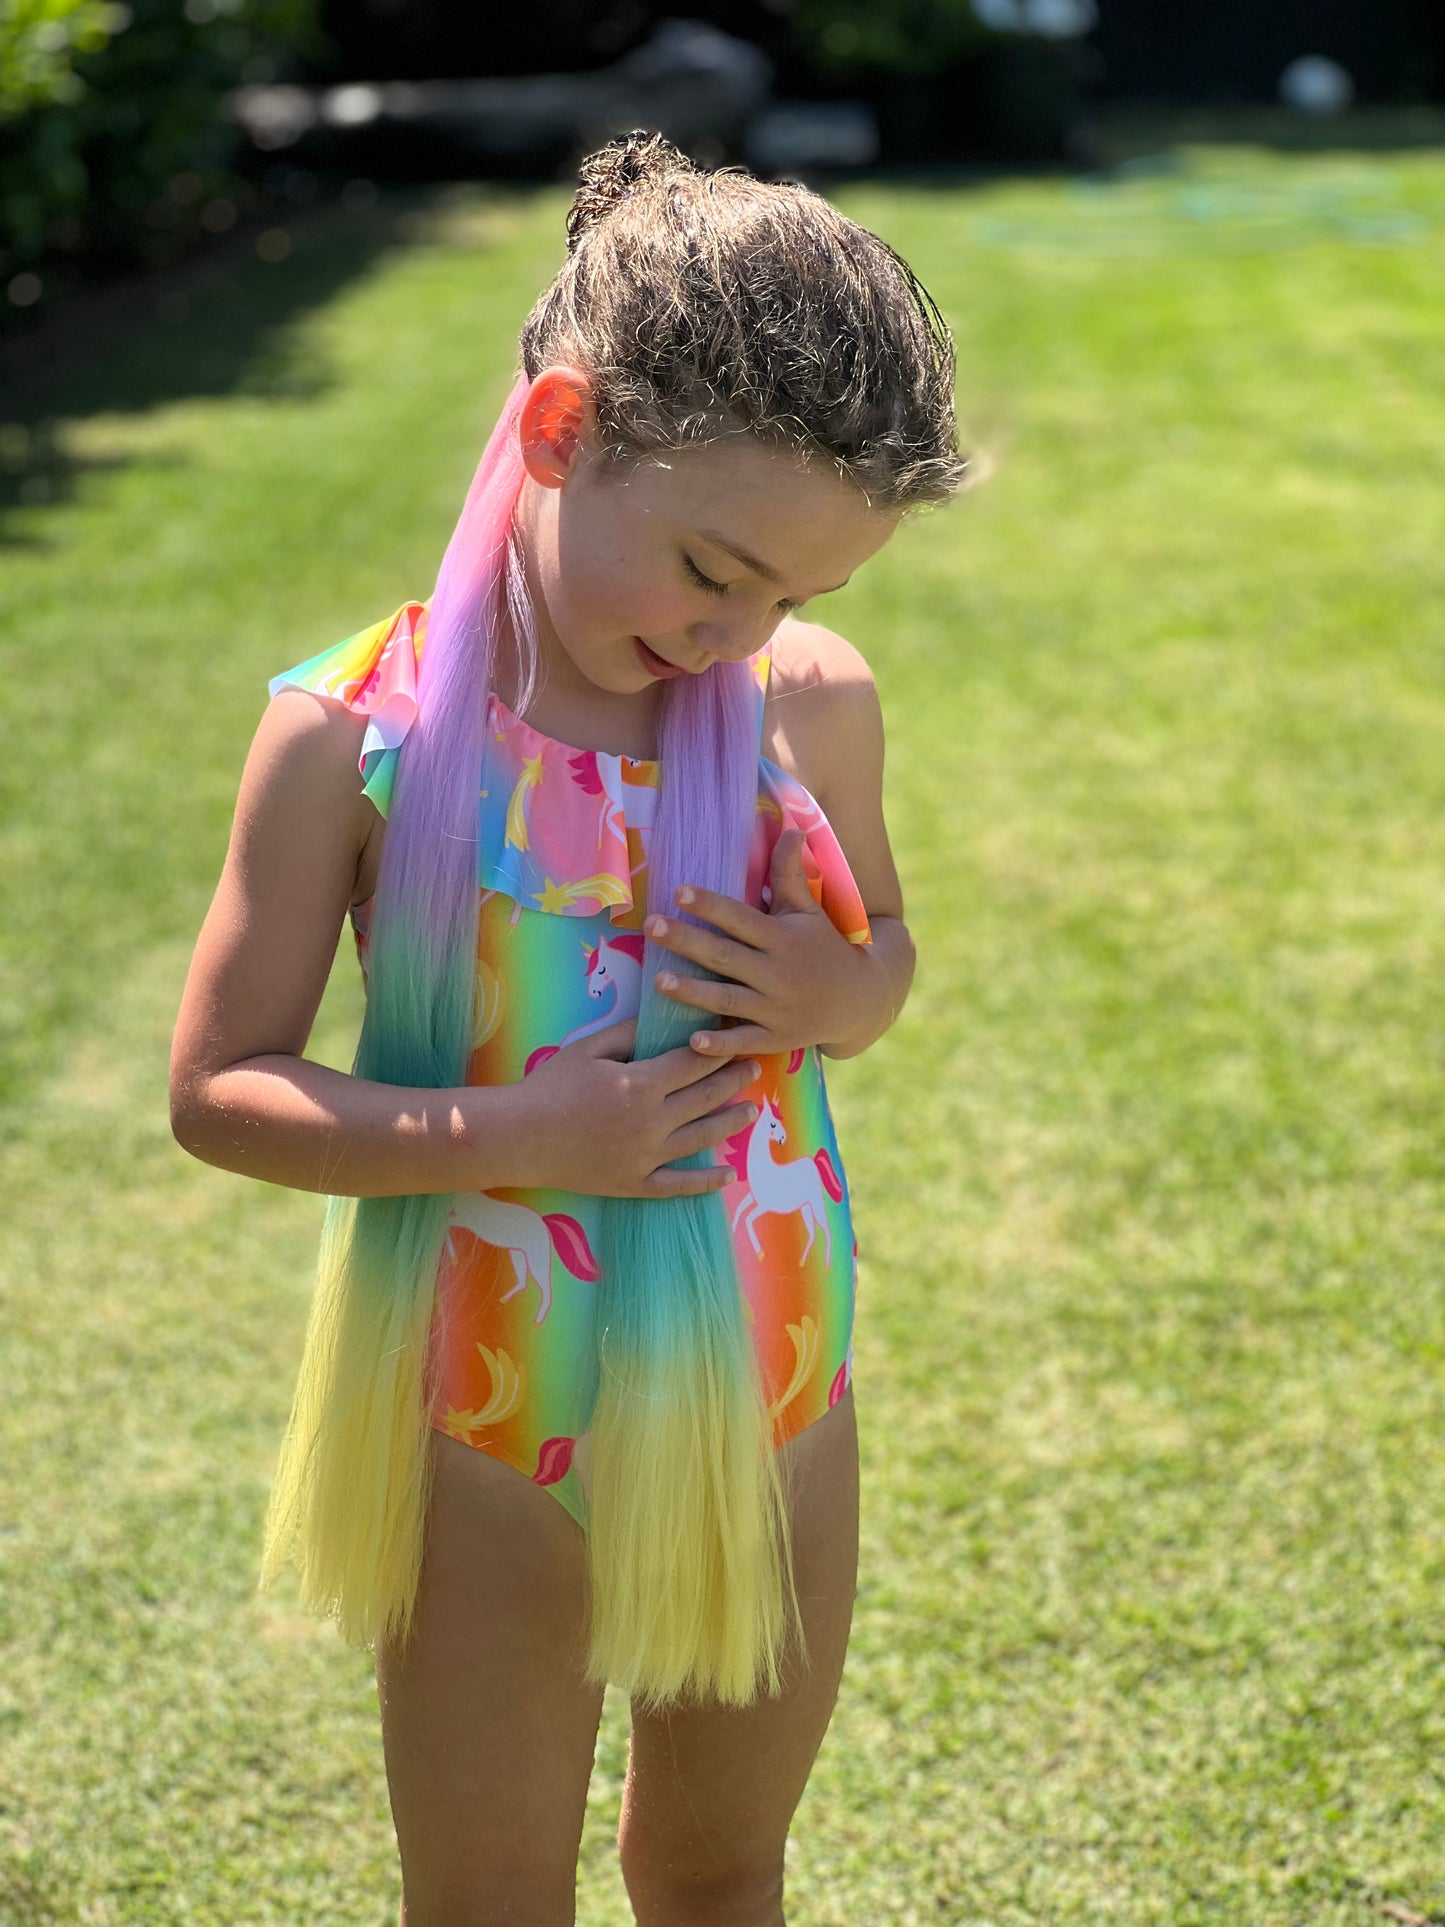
(113, 145)
(889, 36)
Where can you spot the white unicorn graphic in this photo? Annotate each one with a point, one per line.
(614, 965)
(798, 1185)
(529, 1238)
(602, 776)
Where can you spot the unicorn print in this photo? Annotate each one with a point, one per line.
(529, 1238)
(614, 967)
(602, 776)
(797, 1185)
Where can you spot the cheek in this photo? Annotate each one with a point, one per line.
(609, 579)
(622, 599)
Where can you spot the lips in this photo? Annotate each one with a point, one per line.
(656, 665)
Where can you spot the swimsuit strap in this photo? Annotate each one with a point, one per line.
(762, 669)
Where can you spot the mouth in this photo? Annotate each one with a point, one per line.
(654, 664)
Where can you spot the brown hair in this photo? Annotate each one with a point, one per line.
(704, 304)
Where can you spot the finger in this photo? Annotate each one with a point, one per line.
(701, 993)
(730, 914)
(727, 1043)
(713, 1129)
(701, 1099)
(616, 1040)
(666, 1183)
(678, 1068)
(787, 879)
(722, 954)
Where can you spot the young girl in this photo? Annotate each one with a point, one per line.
(576, 1399)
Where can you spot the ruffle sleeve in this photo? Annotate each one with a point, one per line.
(785, 804)
(374, 674)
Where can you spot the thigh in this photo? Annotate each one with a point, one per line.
(711, 1790)
(488, 1724)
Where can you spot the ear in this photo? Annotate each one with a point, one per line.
(557, 417)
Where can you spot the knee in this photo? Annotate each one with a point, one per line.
(684, 1889)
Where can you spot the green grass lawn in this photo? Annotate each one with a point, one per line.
(1150, 1178)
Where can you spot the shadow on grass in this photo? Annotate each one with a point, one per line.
(224, 323)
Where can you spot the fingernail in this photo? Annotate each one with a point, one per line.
(657, 926)
(666, 979)
(685, 895)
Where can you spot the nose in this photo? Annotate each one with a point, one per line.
(733, 641)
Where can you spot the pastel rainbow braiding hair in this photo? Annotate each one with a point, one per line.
(691, 1579)
(350, 1495)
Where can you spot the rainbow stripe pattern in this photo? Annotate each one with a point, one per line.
(562, 876)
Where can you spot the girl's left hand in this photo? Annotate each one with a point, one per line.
(795, 980)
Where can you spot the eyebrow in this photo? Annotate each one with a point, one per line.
(755, 563)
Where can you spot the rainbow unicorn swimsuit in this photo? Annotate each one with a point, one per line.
(562, 877)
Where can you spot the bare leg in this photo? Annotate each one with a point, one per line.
(711, 1790)
(488, 1724)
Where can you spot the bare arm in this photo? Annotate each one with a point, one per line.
(838, 724)
(245, 1098)
(850, 792)
(242, 1094)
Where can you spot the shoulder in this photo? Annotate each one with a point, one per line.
(807, 658)
(357, 694)
(822, 718)
(302, 778)
(315, 738)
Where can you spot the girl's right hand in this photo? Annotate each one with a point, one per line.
(598, 1122)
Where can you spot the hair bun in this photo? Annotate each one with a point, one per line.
(608, 176)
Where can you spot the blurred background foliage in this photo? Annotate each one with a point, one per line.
(896, 36)
(113, 139)
(37, 56)
(123, 144)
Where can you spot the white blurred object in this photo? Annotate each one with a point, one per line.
(1053, 19)
(1060, 19)
(352, 106)
(690, 81)
(274, 116)
(790, 134)
(687, 50)
(1314, 84)
(699, 86)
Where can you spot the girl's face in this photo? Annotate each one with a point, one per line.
(697, 557)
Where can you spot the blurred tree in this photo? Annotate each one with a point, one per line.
(956, 79)
(39, 40)
(895, 36)
(113, 144)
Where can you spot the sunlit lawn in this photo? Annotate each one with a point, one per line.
(1148, 1179)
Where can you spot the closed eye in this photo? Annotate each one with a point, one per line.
(703, 581)
(721, 588)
